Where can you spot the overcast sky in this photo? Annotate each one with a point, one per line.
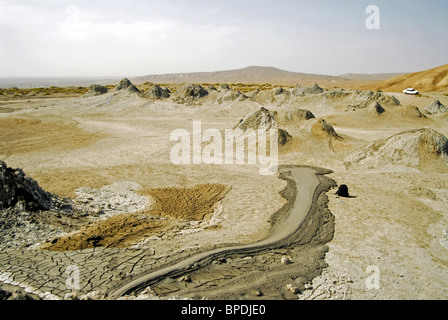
(131, 38)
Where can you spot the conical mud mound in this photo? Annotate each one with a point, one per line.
(190, 93)
(126, 84)
(16, 187)
(374, 102)
(264, 119)
(437, 108)
(301, 91)
(323, 129)
(260, 119)
(96, 90)
(157, 92)
(414, 148)
(297, 115)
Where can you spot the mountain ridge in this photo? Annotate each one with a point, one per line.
(250, 74)
(431, 80)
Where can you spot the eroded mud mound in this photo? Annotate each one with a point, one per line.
(336, 94)
(190, 93)
(301, 91)
(412, 111)
(174, 208)
(264, 119)
(374, 102)
(126, 84)
(29, 214)
(415, 148)
(261, 119)
(96, 90)
(298, 115)
(17, 188)
(323, 129)
(437, 108)
(230, 95)
(157, 92)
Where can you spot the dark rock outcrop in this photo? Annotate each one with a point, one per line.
(16, 186)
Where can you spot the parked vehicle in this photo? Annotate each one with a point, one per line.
(410, 91)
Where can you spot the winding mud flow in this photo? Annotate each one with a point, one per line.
(305, 186)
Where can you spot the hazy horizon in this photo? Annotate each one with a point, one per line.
(111, 39)
(207, 71)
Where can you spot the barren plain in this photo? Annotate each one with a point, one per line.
(132, 213)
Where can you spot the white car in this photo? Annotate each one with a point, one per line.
(410, 91)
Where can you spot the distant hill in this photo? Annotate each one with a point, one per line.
(370, 77)
(252, 74)
(36, 82)
(425, 81)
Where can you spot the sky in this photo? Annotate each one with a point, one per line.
(111, 38)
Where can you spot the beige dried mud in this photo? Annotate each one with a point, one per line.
(173, 205)
(20, 135)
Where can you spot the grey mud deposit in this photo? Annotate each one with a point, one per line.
(289, 257)
(280, 266)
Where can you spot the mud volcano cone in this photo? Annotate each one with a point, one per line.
(96, 90)
(126, 84)
(16, 187)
